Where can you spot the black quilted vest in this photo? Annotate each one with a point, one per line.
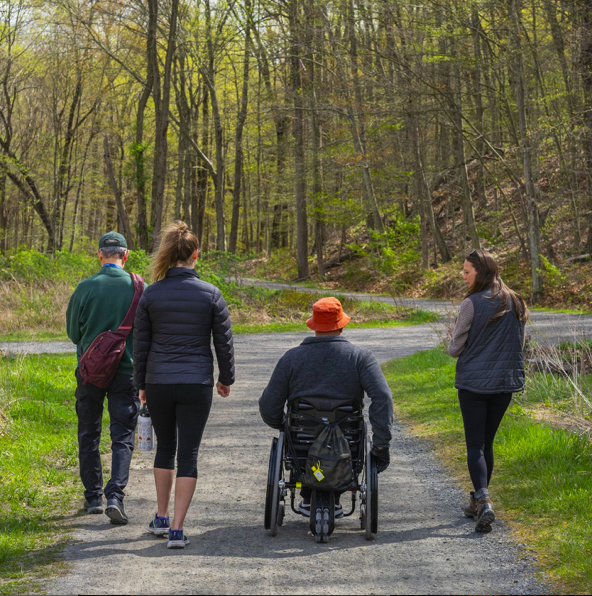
(493, 360)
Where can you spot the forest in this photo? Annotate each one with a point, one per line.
(412, 131)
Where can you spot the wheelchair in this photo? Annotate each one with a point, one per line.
(305, 420)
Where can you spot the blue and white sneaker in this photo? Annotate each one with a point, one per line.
(159, 526)
(177, 539)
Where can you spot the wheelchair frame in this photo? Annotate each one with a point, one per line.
(322, 510)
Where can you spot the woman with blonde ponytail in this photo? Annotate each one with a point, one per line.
(174, 369)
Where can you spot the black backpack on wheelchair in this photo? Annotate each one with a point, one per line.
(306, 420)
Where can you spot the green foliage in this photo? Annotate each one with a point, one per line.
(138, 262)
(394, 253)
(552, 275)
(543, 476)
(398, 247)
(280, 265)
(32, 266)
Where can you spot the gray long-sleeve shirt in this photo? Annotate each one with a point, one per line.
(457, 344)
(330, 367)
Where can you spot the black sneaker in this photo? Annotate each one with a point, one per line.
(115, 511)
(94, 505)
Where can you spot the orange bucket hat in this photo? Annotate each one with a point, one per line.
(327, 315)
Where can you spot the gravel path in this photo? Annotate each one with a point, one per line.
(424, 545)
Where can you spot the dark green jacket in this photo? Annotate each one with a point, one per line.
(99, 304)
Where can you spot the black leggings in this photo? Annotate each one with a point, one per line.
(178, 410)
(482, 414)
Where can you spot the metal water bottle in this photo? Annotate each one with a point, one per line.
(145, 432)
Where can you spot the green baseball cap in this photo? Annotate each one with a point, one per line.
(112, 239)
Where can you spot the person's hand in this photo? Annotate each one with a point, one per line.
(223, 390)
(142, 396)
(383, 458)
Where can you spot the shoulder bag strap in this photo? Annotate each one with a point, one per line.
(128, 321)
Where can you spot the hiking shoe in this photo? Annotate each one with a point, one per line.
(338, 511)
(485, 516)
(94, 505)
(115, 511)
(471, 509)
(304, 508)
(177, 539)
(159, 526)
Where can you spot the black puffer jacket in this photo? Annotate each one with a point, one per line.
(175, 320)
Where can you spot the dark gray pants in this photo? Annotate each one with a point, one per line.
(123, 405)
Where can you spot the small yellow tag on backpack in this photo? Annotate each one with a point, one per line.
(317, 472)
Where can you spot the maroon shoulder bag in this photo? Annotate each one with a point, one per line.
(100, 362)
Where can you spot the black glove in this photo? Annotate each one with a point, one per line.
(383, 458)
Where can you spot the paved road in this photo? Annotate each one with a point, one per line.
(424, 545)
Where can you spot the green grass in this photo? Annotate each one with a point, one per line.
(543, 477)
(41, 335)
(39, 484)
(568, 311)
(418, 317)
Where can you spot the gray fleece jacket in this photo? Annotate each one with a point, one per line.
(330, 367)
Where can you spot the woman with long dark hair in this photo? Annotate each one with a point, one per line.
(488, 341)
(174, 370)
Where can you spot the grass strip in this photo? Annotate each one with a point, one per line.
(415, 317)
(543, 477)
(38, 467)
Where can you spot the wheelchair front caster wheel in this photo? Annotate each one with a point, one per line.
(281, 514)
(322, 525)
(362, 517)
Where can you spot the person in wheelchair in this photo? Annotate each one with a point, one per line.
(328, 365)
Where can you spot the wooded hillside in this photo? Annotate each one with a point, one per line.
(268, 124)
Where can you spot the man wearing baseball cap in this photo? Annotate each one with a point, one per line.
(100, 304)
(329, 365)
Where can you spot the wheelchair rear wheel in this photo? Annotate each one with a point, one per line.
(369, 510)
(273, 510)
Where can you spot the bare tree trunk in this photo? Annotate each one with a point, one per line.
(161, 111)
(585, 63)
(469, 215)
(3, 213)
(238, 143)
(298, 131)
(420, 195)
(26, 184)
(358, 124)
(122, 213)
(425, 196)
(200, 197)
(479, 143)
(317, 166)
(139, 148)
(526, 147)
(63, 175)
